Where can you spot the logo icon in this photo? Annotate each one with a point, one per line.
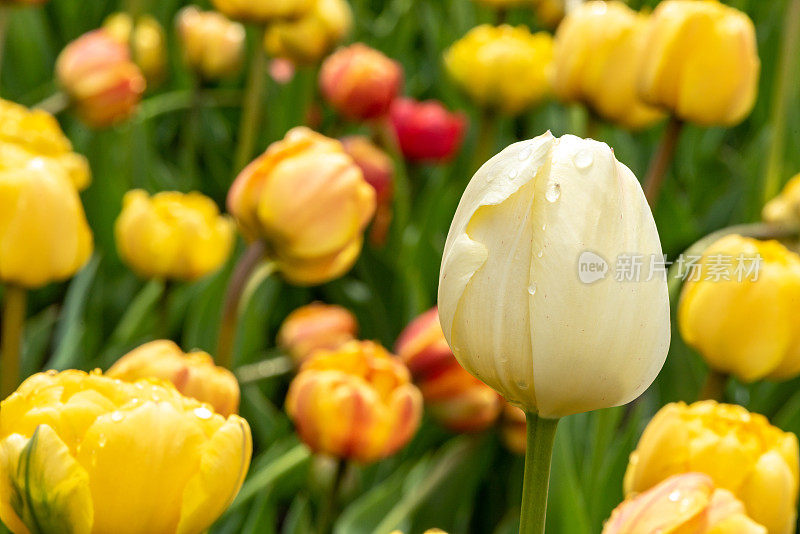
(591, 267)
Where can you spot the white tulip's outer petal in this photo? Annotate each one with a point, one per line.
(511, 304)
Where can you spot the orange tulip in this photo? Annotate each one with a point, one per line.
(316, 326)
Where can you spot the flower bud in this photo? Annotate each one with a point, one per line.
(378, 170)
(515, 303)
(309, 38)
(738, 308)
(360, 82)
(193, 374)
(739, 450)
(86, 453)
(716, 83)
(212, 45)
(502, 67)
(683, 503)
(171, 235)
(148, 44)
(262, 11)
(44, 236)
(426, 131)
(355, 402)
(549, 12)
(455, 398)
(28, 134)
(96, 71)
(598, 53)
(314, 327)
(785, 208)
(514, 429)
(308, 200)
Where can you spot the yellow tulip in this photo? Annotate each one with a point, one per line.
(689, 503)
(27, 134)
(355, 402)
(738, 309)
(701, 62)
(262, 11)
(514, 306)
(549, 12)
(309, 38)
(44, 236)
(173, 235)
(598, 51)
(148, 45)
(213, 46)
(193, 374)
(308, 200)
(502, 67)
(785, 208)
(739, 450)
(87, 454)
(316, 326)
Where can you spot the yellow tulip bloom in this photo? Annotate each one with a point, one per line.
(173, 235)
(148, 45)
(785, 208)
(262, 11)
(309, 38)
(86, 454)
(701, 62)
(598, 51)
(502, 67)
(739, 450)
(212, 45)
(738, 309)
(316, 326)
(44, 236)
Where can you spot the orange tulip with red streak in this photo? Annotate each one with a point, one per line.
(356, 402)
(454, 397)
(316, 326)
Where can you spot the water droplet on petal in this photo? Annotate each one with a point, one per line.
(117, 416)
(544, 227)
(525, 154)
(513, 174)
(553, 192)
(583, 159)
(675, 496)
(532, 289)
(203, 412)
(540, 254)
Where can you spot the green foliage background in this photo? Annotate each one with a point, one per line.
(456, 483)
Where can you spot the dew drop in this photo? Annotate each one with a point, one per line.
(117, 416)
(583, 159)
(544, 227)
(532, 289)
(675, 496)
(525, 154)
(101, 441)
(203, 412)
(513, 174)
(540, 254)
(553, 192)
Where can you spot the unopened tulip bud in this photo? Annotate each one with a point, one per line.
(212, 45)
(85, 453)
(148, 44)
(502, 67)
(96, 71)
(454, 397)
(360, 82)
(263, 11)
(426, 131)
(316, 326)
(309, 38)
(307, 199)
(28, 134)
(598, 54)
(356, 402)
(517, 308)
(715, 84)
(739, 450)
(549, 12)
(683, 503)
(738, 307)
(785, 208)
(44, 235)
(171, 235)
(193, 374)
(378, 170)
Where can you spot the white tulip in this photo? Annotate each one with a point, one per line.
(515, 307)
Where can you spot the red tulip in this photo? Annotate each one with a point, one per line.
(426, 131)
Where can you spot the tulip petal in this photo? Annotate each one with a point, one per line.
(770, 494)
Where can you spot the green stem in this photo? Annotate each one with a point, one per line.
(487, 131)
(54, 104)
(4, 16)
(183, 99)
(189, 135)
(253, 104)
(328, 511)
(255, 372)
(714, 386)
(232, 305)
(661, 161)
(539, 452)
(163, 330)
(13, 325)
(786, 79)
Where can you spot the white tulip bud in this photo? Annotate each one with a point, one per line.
(529, 297)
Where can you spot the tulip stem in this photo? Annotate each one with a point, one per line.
(189, 134)
(538, 455)
(14, 306)
(270, 368)
(231, 307)
(4, 15)
(54, 104)
(714, 386)
(487, 130)
(328, 511)
(662, 160)
(253, 104)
